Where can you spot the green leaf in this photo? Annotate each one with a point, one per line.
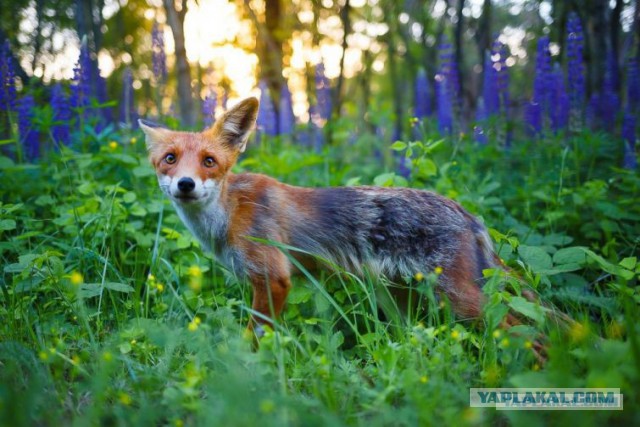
(571, 255)
(609, 267)
(118, 287)
(629, 263)
(398, 146)
(526, 308)
(299, 294)
(384, 180)
(89, 290)
(535, 257)
(426, 167)
(7, 224)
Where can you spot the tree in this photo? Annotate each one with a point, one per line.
(176, 10)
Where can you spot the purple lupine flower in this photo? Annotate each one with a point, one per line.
(490, 94)
(267, 120)
(317, 137)
(286, 119)
(449, 68)
(445, 108)
(537, 109)
(479, 136)
(575, 71)
(323, 94)
(158, 54)
(81, 83)
(7, 79)
(610, 101)
(558, 100)
(422, 91)
(28, 135)
(209, 104)
(127, 106)
(630, 160)
(499, 57)
(61, 114)
(402, 168)
(533, 118)
(633, 85)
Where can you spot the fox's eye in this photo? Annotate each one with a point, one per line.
(170, 158)
(209, 162)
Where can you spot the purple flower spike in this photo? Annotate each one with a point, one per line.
(61, 114)
(159, 56)
(479, 136)
(28, 136)
(267, 121)
(323, 94)
(445, 109)
(7, 79)
(209, 109)
(490, 95)
(81, 84)
(630, 160)
(422, 101)
(633, 85)
(575, 71)
(286, 118)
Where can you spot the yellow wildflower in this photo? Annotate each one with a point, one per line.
(438, 270)
(424, 379)
(113, 145)
(76, 278)
(497, 333)
(125, 399)
(418, 276)
(267, 406)
(455, 334)
(133, 140)
(194, 271)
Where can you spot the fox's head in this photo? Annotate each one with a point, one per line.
(192, 166)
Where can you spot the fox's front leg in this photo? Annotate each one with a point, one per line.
(271, 284)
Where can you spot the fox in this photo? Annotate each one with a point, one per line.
(391, 232)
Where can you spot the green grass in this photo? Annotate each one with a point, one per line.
(89, 337)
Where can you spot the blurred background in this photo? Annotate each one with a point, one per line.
(532, 64)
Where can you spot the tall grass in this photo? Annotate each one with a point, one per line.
(113, 315)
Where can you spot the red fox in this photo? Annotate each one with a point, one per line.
(395, 232)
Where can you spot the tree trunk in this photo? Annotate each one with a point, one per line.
(597, 34)
(37, 36)
(273, 74)
(183, 69)
(346, 25)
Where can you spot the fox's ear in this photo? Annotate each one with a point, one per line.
(154, 133)
(236, 125)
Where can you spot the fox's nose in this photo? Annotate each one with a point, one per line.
(186, 185)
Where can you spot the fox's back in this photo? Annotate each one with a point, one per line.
(392, 231)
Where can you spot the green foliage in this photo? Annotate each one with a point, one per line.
(113, 315)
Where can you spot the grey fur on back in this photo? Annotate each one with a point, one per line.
(392, 231)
